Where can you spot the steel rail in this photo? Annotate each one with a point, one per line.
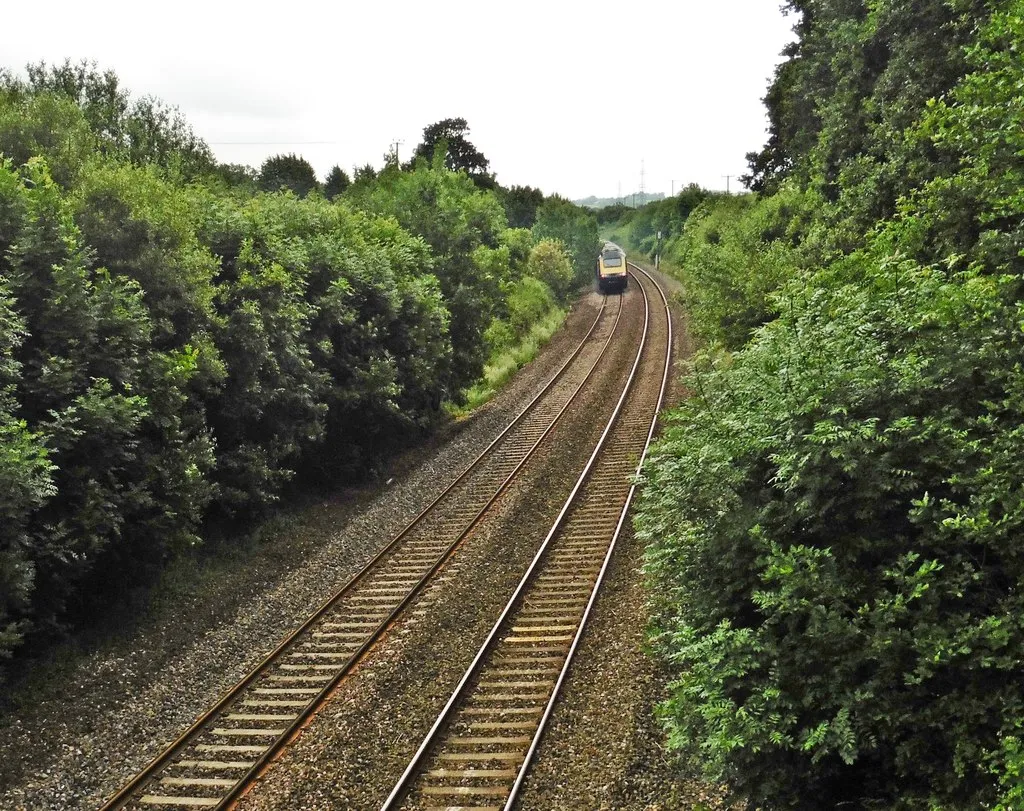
(510, 802)
(127, 793)
(402, 786)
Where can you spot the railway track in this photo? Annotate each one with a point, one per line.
(478, 751)
(211, 764)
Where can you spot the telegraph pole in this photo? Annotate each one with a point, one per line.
(727, 179)
(394, 149)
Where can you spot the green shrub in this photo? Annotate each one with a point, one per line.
(550, 264)
(575, 228)
(734, 254)
(835, 518)
(507, 358)
(835, 526)
(25, 482)
(455, 218)
(129, 480)
(528, 302)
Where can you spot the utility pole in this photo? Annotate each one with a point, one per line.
(394, 149)
(641, 181)
(673, 187)
(727, 179)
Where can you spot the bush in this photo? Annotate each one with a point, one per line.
(835, 518)
(835, 528)
(455, 218)
(128, 479)
(734, 253)
(549, 262)
(575, 228)
(25, 484)
(528, 302)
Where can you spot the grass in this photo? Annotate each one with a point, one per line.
(506, 362)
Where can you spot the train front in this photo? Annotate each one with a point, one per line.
(611, 269)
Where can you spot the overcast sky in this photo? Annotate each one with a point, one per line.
(567, 96)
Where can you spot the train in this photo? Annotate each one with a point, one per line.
(611, 269)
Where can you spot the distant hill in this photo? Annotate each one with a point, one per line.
(626, 200)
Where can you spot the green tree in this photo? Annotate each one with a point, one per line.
(529, 300)
(519, 242)
(156, 133)
(269, 407)
(454, 218)
(144, 131)
(98, 94)
(834, 517)
(289, 172)
(852, 88)
(45, 125)
(574, 227)
(93, 388)
(24, 480)
(450, 137)
(337, 181)
(550, 263)
(521, 204)
(735, 253)
(236, 176)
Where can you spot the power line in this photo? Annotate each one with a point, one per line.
(270, 143)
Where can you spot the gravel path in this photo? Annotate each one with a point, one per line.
(104, 715)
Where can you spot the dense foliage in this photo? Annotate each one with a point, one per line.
(835, 517)
(180, 341)
(639, 227)
(289, 173)
(735, 252)
(449, 140)
(575, 228)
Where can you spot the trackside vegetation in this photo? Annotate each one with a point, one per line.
(835, 516)
(184, 343)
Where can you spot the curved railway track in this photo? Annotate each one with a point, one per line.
(211, 764)
(478, 751)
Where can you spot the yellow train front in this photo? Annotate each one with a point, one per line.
(611, 269)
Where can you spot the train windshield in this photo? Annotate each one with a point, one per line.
(612, 260)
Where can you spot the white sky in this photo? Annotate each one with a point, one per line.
(562, 95)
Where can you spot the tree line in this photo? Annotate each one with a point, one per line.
(183, 342)
(834, 517)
